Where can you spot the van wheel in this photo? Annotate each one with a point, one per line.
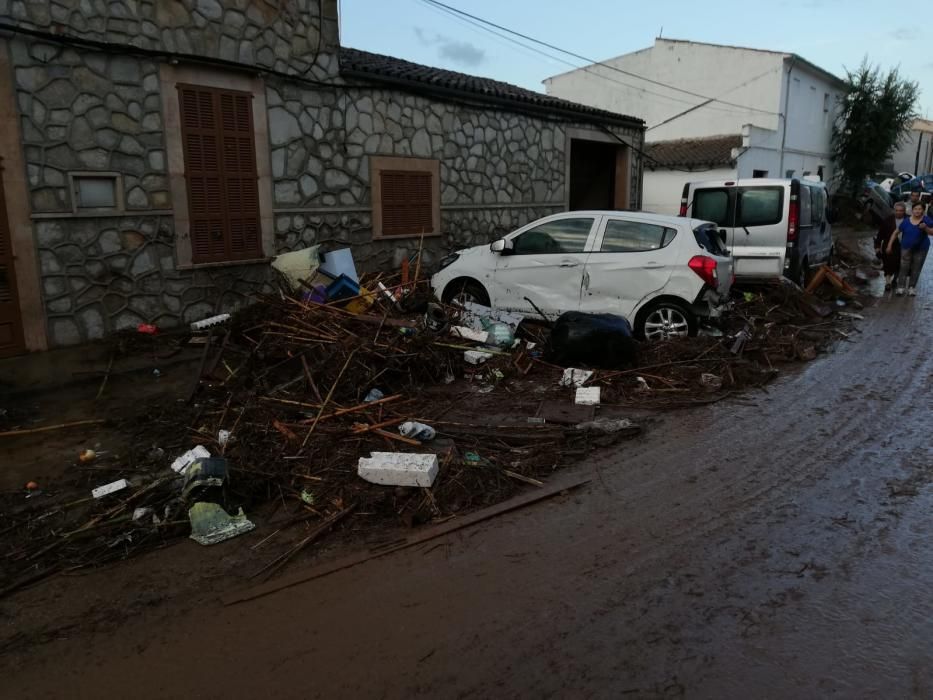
(664, 320)
(461, 291)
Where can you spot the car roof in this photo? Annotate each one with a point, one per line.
(759, 181)
(644, 215)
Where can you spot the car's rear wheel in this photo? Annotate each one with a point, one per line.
(664, 320)
(461, 291)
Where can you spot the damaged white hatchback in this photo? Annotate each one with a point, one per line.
(665, 274)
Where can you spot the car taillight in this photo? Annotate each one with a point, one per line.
(793, 218)
(705, 267)
(683, 207)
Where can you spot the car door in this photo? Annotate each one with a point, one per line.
(545, 264)
(632, 259)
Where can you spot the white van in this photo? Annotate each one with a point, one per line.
(772, 227)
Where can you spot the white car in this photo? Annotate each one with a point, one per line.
(663, 273)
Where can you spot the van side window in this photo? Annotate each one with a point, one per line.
(817, 205)
(805, 218)
(634, 237)
(561, 236)
(760, 206)
(712, 205)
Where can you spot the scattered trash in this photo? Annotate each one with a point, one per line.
(297, 266)
(147, 329)
(807, 353)
(748, 296)
(107, 489)
(480, 336)
(840, 302)
(608, 425)
(711, 381)
(587, 396)
(853, 316)
(575, 377)
(204, 480)
(474, 314)
(210, 322)
(307, 497)
(87, 456)
(399, 469)
(140, 514)
(536, 420)
(472, 458)
(373, 395)
(597, 340)
(339, 263)
(417, 431)
(435, 319)
(211, 524)
(223, 436)
(199, 452)
(642, 385)
(742, 337)
(476, 357)
(156, 373)
(32, 486)
(499, 334)
(710, 332)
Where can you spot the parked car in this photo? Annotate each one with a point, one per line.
(876, 202)
(902, 191)
(772, 227)
(665, 274)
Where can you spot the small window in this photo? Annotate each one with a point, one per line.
(759, 173)
(817, 205)
(805, 219)
(635, 237)
(96, 192)
(826, 100)
(760, 206)
(405, 196)
(561, 236)
(712, 205)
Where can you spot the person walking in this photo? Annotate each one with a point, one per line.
(891, 261)
(914, 233)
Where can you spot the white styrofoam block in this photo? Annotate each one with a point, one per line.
(575, 377)
(199, 452)
(112, 487)
(476, 357)
(469, 334)
(399, 469)
(587, 396)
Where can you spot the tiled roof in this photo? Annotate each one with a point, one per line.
(362, 64)
(711, 150)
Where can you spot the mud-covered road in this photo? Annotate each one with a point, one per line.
(780, 545)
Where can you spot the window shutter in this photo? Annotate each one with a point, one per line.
(407, 204)
(220, 170)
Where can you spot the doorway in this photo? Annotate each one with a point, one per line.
(599, 175)
(11, 319)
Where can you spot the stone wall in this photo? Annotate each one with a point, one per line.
(297, 37)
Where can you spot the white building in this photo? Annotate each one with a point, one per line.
(777, 107)
(915, 154)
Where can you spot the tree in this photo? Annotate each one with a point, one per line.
(875, 116)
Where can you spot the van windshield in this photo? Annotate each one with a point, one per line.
(712, 205)
(740, 206)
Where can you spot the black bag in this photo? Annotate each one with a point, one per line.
(595, 340)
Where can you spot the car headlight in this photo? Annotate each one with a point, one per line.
(449, 260)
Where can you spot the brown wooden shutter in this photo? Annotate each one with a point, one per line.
(11, 319)
(220, 170)
(406, 202)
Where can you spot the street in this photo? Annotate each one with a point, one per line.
(775, 545)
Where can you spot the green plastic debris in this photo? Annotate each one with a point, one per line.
(211, 524)
(472, 458)
(749, 296)
(307, 497)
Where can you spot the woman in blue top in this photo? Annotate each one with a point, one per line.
(914, 234)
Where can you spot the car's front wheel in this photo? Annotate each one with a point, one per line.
(664, 320)
(463, 290)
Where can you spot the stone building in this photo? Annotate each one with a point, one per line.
(157, 153)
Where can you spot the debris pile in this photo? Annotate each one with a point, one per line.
(377, 408)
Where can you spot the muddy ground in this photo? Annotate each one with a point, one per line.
(777, 544)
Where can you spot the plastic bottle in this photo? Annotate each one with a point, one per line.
(417, 431)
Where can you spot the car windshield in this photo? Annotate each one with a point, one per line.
(708, 239)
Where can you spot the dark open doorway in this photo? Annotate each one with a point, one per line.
(598, 175)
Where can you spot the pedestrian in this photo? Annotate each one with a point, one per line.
(914, 234)
(891, 261)
(915, 197)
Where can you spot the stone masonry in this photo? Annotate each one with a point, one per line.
(83, 109)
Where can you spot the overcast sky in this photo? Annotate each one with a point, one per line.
(834, 34)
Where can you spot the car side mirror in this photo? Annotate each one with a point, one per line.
(503, 246)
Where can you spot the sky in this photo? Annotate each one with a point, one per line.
(834, 34)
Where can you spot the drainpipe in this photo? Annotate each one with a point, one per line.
(917, 159)
(793, 60)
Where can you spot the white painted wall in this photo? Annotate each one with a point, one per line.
(662, 189)
(741, 76)
(763, 79)
(906, 160)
